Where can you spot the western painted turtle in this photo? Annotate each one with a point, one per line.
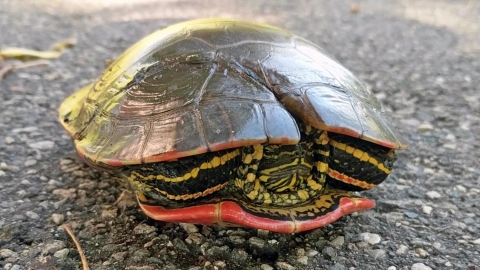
(234, 123)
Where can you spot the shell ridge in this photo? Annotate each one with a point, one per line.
(198, 116)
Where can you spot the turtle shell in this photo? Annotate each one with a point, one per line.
(215, 84)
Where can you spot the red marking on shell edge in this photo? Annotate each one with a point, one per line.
(229, 212)
(81, 155)
(115, 163)
(356, 134)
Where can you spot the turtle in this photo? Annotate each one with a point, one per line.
(234, 123)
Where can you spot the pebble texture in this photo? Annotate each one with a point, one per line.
(421, 59)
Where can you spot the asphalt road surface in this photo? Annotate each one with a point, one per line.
(421, 58)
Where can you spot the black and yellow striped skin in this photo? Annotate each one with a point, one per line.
(268, 180)
(368, 164)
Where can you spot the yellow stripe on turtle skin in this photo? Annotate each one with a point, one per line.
(290, 186)
(314, 185)
(323, 153)
(321, 166)
(349, 180)
(184, 197)
(359, 154)
(281, 167)
(141, 188)
(213, 163)
(323, 139)
(279, 183)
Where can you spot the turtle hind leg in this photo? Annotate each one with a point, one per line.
(356, 164)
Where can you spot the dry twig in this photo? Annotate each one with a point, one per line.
(77, 244)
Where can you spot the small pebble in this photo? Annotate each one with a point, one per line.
(144, 229)
(9, 140)
(425, 127)
(16, 267)
(53, 182)
(109, 213)
(25, 129)
(461, 188)
(7, 253)
(428, 171)
(420, 266)
(361, 245)
(354, 9)
(410, 214)
(2, 173)
(266, 267)
(65, 161)
(196, 238)
(62, 254)
(25, 182)
(421, 252)
(3, 166)
(392, 268)
(13, 168)
(371, 238)
(284, 266)
(402, 249)
(329, 252)
(262, 233)
(303, 260)
(58, 218)
(42, 145)
(376, 253)
(452, 146)
(53, 247)
(427, 209)
(120, 256)
(256, 243)
(338, 242)
(21, 193)
(236, 240)
(32, 215)
(30, 162)
(312, 253)
(299, 252)
(476, 242)
(65, 193)
(433, 194)
(448, 264)
(220, 264)
(189, 228)
(272, 241)
(206, 230)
